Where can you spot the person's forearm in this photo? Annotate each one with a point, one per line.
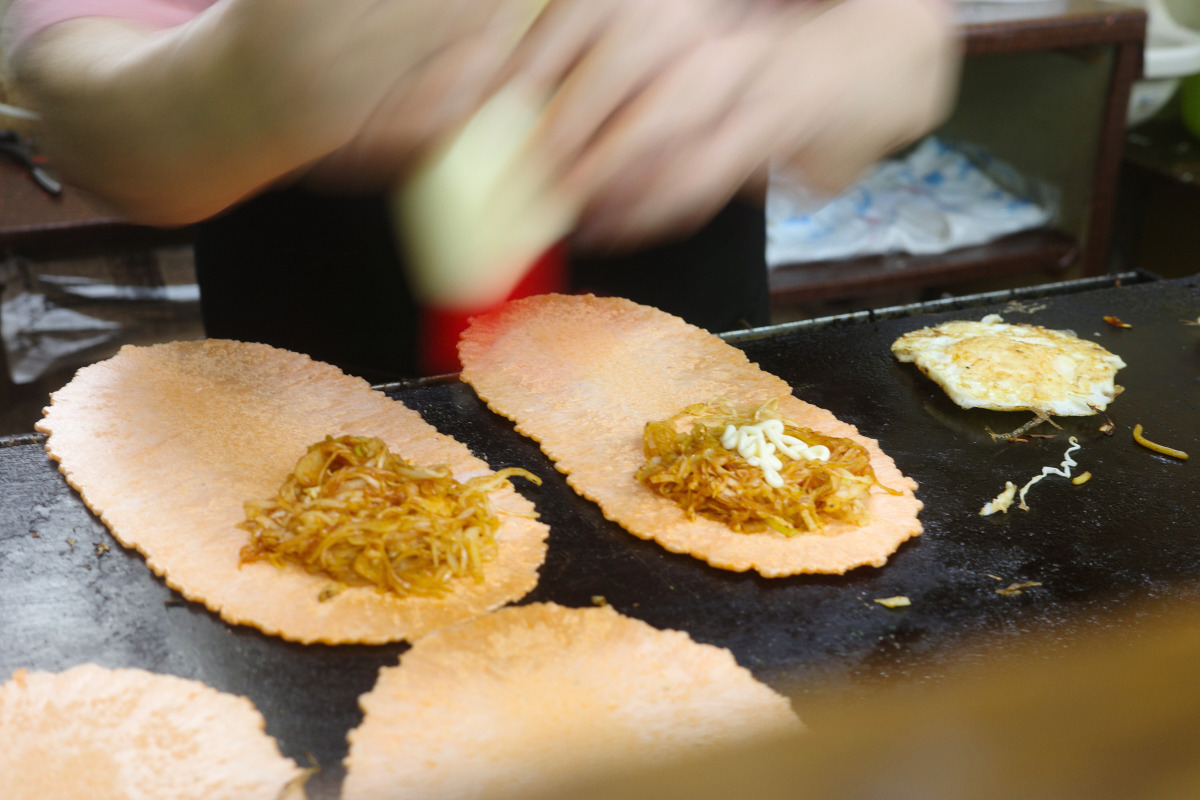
(149, 120)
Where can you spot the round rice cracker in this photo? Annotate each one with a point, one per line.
(166, 443)
(582, 375)
(529, 696)
(103, 734)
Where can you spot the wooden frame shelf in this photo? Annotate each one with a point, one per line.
(1078, 27)
(1048, 251)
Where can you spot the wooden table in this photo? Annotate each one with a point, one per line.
(1080, 27)
(37, 225)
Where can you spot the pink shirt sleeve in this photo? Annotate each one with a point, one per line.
(28, 17)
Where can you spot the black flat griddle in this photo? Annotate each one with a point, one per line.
(70, 594)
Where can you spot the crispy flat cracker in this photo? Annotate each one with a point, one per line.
(102, 734)
(166, 444)
(530, 695)
(582, 375)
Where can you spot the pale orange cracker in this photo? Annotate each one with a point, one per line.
(531, 695)
(582, 375)
(166, 444)
(127, 734)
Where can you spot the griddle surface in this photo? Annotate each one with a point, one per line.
(71, 594)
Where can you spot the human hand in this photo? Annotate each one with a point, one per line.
(351, 89)
(486, 204)
(173, 125)
(822, 90)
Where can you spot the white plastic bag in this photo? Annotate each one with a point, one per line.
(935, 199)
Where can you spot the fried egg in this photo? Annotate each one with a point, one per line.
(999, 366)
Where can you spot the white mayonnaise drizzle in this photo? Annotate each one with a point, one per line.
(1063, 470)
(759, 443)
(1005, 498)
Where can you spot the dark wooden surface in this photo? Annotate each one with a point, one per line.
(28, 211)
(1048, 251)
(990, 28)
(1160, 199)
(1166, 148)
(36, 225)
(1127, 68)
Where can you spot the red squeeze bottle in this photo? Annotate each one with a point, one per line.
(439, 327)
(482, 223)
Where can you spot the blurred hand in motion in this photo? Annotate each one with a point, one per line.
(174, 125)
(405, 75)
(655, 140)
(657, 112)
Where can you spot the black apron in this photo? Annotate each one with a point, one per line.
(320, 274)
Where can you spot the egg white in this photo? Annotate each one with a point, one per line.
(999, 366)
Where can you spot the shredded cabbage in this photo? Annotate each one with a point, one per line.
(686, 462)
(365, 517)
